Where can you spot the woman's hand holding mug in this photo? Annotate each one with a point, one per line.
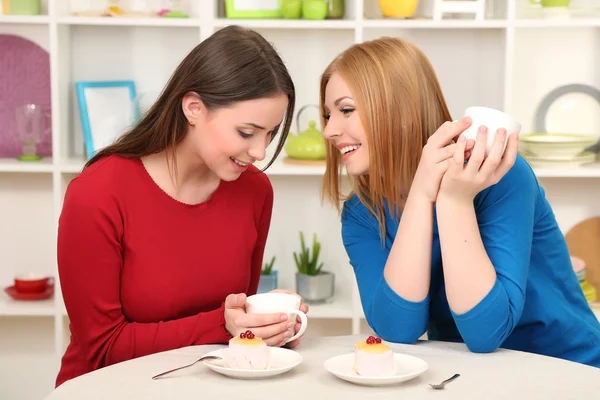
(436, 157)
(270, 316)
(304, 308)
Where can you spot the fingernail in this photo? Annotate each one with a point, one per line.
(461, 138)
(503, 132)
(283, 317)
(482, 129)
(287, 334)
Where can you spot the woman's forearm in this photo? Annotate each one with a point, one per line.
(468, 272)
(408, 267)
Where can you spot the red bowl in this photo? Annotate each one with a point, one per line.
(31, 284)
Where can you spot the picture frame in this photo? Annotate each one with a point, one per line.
(105, 109)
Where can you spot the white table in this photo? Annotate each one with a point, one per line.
(502, 375)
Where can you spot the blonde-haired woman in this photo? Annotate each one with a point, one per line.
(466, 251)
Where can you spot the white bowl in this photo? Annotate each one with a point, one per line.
(556, 146)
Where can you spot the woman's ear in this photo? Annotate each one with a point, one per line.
(193, 108)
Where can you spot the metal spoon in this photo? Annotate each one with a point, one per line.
(441, 385)
(186, 366)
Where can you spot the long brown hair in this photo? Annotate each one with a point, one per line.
(400, 104)
(234, 64)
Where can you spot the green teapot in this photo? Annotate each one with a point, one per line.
(307, 145)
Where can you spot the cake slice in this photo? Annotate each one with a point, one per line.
(247, 351)
(373, 358)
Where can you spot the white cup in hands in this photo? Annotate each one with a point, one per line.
(268, 303)
(493, 120)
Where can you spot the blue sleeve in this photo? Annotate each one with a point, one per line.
(505, 215)
(392, 317)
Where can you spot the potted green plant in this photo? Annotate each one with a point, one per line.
(312, 283)
(268, 277)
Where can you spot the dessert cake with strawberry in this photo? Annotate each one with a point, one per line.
(247, 351)
(373, 358)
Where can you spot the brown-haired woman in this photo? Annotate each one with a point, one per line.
(467, 251)
(162, 235)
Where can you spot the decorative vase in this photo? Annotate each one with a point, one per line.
(267, 282)
(315, 288)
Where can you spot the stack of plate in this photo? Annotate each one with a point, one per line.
(557, 149)
(579, 268)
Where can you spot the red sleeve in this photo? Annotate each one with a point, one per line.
(265, 211)
(90, 260)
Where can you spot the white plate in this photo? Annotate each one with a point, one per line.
(542, 162)
(571, 108)
(282, 360)
(407, 368)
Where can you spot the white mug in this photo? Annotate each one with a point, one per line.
(493, 120)
(268, 303)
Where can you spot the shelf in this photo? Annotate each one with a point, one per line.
(367, 23)
(280, 168)
(287, 23)
(10, 307)
(585, 171)
(24, 19)
(339, 308)
(13, 165)
(559, 23)
(434, 24)
(71, 166)
(110, 21)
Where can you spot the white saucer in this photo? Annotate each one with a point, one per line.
(407, 368)
(282, 360)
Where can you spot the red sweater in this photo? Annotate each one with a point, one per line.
(143, 273)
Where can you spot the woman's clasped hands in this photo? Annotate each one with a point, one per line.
(436, 157)
(464, 180)
(453, 166)
(273, 328)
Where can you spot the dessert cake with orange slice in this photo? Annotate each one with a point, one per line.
(247, 351)
(373, 358)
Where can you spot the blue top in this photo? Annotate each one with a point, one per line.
(536, 304)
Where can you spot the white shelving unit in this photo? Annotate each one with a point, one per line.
(506, 61)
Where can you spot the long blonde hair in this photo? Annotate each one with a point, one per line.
(400, 103)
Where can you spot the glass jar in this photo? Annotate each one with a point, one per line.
(336, 9)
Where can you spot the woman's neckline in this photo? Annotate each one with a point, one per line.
(163, 194)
